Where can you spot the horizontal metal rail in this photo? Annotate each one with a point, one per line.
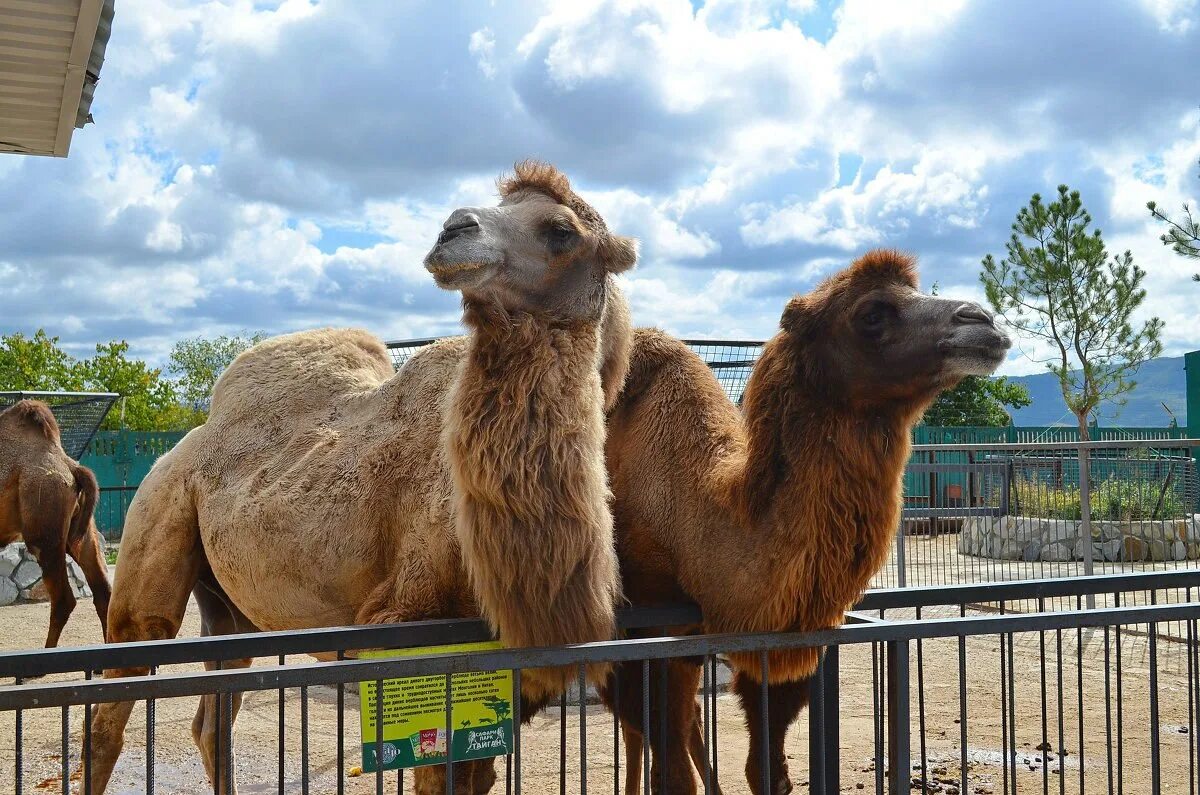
(38, 662)
(1013, 590)
(1114, 444)
(24, 393)
(350, 671)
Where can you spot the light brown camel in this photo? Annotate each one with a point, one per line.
(316, 454)
(47, 499)
(776, 520)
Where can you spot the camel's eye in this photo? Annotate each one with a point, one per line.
(873, 319)
(560, 236)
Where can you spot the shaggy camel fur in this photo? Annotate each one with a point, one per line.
(47, 499)
(313, 444)
(777, 520)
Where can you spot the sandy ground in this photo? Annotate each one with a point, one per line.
(935, 689)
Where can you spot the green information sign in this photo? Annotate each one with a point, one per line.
(414, 714)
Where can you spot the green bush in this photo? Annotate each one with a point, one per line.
(1113, 499)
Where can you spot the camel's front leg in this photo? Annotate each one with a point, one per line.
(785, 700)
(160, 561)
(89, 554)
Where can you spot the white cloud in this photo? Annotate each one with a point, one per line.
(287, 164)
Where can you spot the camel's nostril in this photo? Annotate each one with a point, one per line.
(973, 313)
(451, 232)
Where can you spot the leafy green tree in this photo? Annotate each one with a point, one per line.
(198, 362)
(1182, 235)
(36, 364)
(978, 401)
(1059, 285)
(147, 403)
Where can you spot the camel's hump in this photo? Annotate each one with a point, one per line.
(32, 415)
(304, 368)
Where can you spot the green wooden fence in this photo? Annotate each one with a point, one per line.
(121, 459)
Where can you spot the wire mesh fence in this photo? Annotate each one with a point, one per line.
(79, 414)
(731, 360)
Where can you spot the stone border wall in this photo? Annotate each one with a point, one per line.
(1031, 538)
(21, 577)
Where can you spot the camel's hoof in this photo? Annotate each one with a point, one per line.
(783, 786)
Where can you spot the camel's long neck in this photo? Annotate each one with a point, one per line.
(524, 438)
(820, 491)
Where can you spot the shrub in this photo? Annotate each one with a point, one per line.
(1113, 499)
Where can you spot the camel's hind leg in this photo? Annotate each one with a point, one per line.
(53, 561)
(160, 561)
(214, 722)
(89, 554)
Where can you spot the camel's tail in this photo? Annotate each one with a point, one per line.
(88, 492)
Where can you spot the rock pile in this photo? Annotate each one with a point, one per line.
(1032, 538)
(21, 577)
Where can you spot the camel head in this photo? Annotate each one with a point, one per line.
(541, 250)
(867, 336)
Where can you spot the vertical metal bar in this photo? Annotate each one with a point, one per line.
(646, 727)
(227, 729)
(899, 739)
(1062, 767)
(150, 741)
(218, 742)
(378, 738)
(19, 752)
(86, 753)
(704, 686)
(901, 579)
(715, 769)
(1191, 676)
(582, 732)
(1120, 711)
(1108, 732)
(341, 732)
(616, 701)
(1079, 706)
(1155, 761)
(764, 693)
(1003, 714)
(833, 729)
(449, 736)
(816, 731)
(304, 740)
(283, 741)
(921, 711)
(517, 731)
(1085, 513)
(878, 691)
(66, 755)
(1041, 606)
(1012, 707)
(962, 705)
(663, 709)
(562, 743)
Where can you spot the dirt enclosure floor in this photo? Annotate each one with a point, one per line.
(935, 689)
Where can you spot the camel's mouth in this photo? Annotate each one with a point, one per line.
(977, 357)
(453, 274)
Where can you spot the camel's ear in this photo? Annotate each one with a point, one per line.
(798, 316)
(619, 253)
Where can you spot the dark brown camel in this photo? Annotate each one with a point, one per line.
(47, 499)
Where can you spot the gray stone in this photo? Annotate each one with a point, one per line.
(8, 592)
(1111, 550)
(1158, 550)
(1060, 530)
(10, 558)
(1032, 551)
(1179, 550)
(1057, 552)
(27, 574)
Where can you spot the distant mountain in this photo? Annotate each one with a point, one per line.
(1158, 381)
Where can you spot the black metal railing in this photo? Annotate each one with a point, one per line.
(933, 690)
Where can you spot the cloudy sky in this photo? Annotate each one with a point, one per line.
(284, 165)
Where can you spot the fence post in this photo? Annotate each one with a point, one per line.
(899, 740)
(1085, 516)
(824, 732)
(900, 578)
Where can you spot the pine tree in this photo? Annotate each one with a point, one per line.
(1059, 285)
